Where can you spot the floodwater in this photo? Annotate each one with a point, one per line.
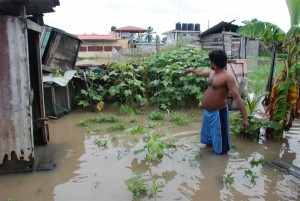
(87, 172)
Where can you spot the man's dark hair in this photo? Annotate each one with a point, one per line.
(218, 57)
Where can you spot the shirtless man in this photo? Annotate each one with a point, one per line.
(215, 125)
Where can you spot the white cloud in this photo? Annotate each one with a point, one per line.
(94, 16)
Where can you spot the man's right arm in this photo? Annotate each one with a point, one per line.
(196, 72)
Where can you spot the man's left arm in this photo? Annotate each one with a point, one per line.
(231, 84)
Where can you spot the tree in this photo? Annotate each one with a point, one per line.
(148, 36)
(251, 21)
(284, 101)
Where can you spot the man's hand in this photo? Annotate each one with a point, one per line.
(187, 71)
(246, 125)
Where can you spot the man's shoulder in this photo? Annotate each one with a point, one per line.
(229, 77)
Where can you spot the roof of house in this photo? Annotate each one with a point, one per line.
(97, 36)
(222, 26)
(131, 29)
(33, 7)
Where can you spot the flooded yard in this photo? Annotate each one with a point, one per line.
(88, 171)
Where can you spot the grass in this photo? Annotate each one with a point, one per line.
(258, 77)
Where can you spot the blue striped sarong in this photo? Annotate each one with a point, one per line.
(215, 130)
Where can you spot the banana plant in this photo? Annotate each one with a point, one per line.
(284, 102)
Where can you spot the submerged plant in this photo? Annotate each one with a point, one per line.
(85, 123)
(136, 129)
(102, 119)
(194, 160)
(156, 115)
(256, 121)
(137, 186)
(228, 179)
(155, 188)
(116, 127)
(251, 174)
(257, 162)
(101, 142)
(94, 92)
(177, 119)
(155, 145)
(140, 187)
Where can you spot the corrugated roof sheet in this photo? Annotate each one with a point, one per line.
(33, 7)
(131, 29)
(97, 37)
(222, 26)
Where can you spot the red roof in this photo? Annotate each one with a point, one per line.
(131, 29)
(97, 37)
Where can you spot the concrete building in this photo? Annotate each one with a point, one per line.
(97, 49)
(187, 32)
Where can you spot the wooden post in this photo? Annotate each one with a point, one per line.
(157, 44)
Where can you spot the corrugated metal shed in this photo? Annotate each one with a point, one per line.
(59, 53)
(60, 49)
(22, 110)
(16, 136)
(222, 26)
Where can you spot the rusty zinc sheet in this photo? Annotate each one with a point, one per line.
(16, 139)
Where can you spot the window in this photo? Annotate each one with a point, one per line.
(95, 48)
(82, 49)
(107, 48)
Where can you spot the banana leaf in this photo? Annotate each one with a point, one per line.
(294, 10)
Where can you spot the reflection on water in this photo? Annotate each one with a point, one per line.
(85, 171)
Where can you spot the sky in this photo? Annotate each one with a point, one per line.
(98, 16)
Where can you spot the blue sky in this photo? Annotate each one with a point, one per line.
(97, 16)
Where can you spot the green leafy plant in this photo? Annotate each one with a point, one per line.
(94, 92)
(136, 129)
(228, 178)
(167, 85)
(257, 162)
(137, 186)
(116, 127)
(256, 121)
(177, 119)
(155, 188)
(284, 104)
(101, 142)
(102, 119)
(125, 85)
(140, 187)
(155, 146)
(156, 115)
(57, 72)
(196, 157)
(251, 174)
(85, 123)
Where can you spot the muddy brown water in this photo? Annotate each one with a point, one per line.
(86, 172)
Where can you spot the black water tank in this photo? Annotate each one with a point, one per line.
(178, 26)
(197, 27)
(184, 27)
(113, 28)
(191, 27)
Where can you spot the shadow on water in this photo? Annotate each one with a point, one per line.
(191, 171)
